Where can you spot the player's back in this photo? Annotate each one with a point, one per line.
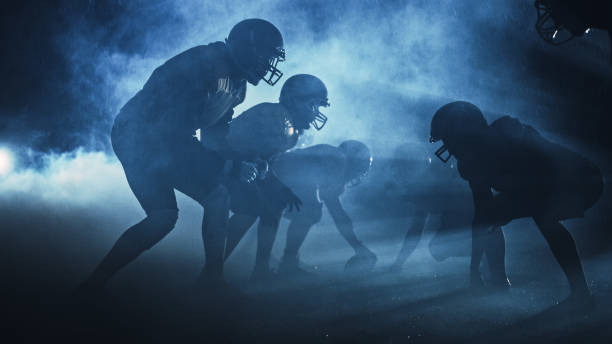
(515, 157)
(175, 95)
(304, 170)
(262, 131)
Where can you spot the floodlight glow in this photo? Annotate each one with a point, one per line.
(6, 162)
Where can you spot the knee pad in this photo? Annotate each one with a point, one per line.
(152, 229)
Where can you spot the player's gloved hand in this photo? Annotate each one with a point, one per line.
(291, 199)
(364, 260)
(248, 172)
(262, 168)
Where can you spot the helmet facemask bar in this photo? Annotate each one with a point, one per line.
(267, 67)
(547, 28)
(442, 153)
(319, 119)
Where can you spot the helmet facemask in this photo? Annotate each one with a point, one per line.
(266, 67)
(559, 27)
(256, 47)
(305, 113)
(442, 153)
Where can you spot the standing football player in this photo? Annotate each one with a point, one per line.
(153, 137)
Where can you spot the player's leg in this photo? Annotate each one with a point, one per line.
(197, 173)
(495, 250)
(266, 234)
(134, 241)
(300, 225)
(156, 196)
(214, 232)
(237, 227)
(564, 249)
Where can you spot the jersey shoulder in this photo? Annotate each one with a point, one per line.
(200, 62)
(266, 117)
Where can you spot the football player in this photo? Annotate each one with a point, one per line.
(153, 137)
(559, 21)
(319, 174)
(259, 134)
(532, 177)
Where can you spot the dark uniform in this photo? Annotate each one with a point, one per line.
(153, 135)
(257, 135)
(317, 175)
(533, 178)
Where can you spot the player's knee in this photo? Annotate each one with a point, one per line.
(159, 224)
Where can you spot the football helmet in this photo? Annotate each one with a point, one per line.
(302, 95)
(256, 47)
(359, 161)
(558, 22)
(454, 123)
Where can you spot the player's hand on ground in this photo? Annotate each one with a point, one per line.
(364, 260)
(248, 172)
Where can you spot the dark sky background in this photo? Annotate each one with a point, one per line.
(62, 62)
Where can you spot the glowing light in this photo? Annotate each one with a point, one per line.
(587, 30)
(555, 34)
(6, 162)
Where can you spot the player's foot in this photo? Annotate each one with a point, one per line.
(262, 279)
(394, 268)
(500, 284)
(293, 271)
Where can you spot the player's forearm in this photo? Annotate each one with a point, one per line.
(479, 230)
(413, 235)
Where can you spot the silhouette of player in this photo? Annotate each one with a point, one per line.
(319, 174)
(532, 177)
(428, 188)
(259, 134)
(559, 21)
(153, 137)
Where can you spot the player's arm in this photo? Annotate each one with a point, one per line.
(482, 197)
(343, 223)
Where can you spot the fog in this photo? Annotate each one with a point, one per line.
(387, 65)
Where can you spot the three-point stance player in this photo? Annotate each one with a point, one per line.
(533, 178)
